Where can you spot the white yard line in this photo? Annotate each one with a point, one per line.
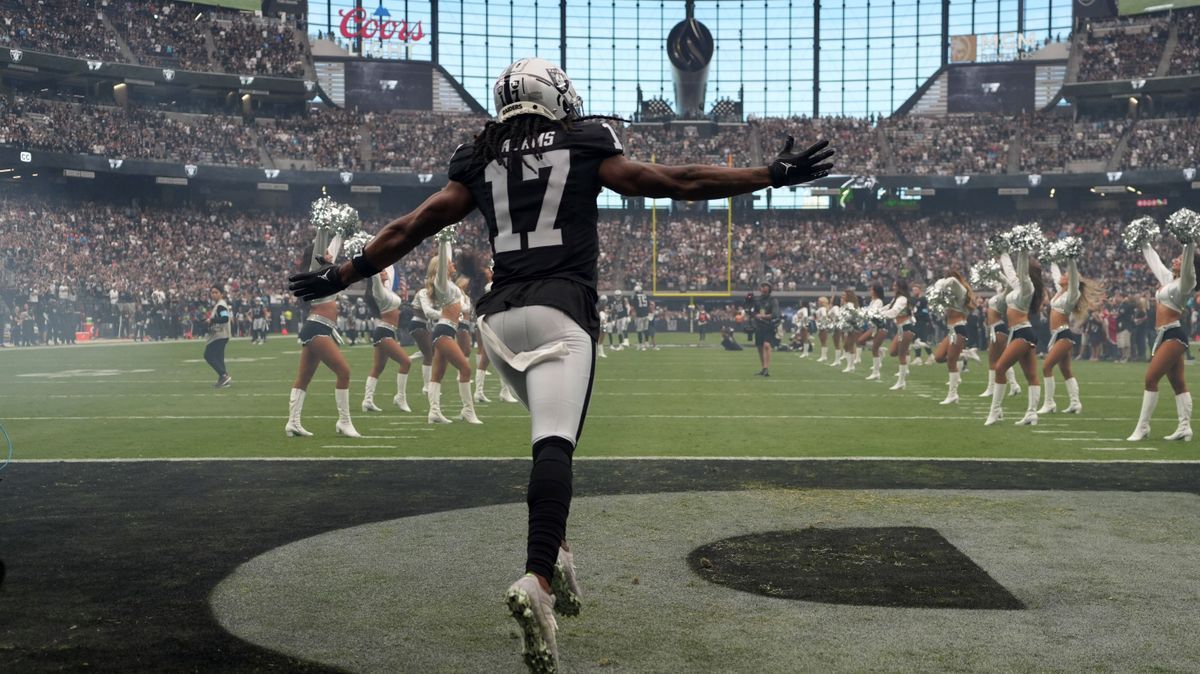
(792, 459)
(843, 417)
(1061, 432)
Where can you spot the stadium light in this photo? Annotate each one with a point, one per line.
(7, 170)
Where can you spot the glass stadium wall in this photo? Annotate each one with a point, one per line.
(873, 54)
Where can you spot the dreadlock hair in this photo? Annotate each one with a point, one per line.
(489, 144)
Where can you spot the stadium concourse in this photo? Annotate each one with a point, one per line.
(158, 163)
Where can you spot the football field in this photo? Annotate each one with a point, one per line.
(722, 522)
(148, 401)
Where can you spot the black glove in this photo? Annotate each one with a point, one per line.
(793, 169)
(310, 285)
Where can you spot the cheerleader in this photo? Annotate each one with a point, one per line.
(385, 305)
(1024, 300)
(997, 324)
(466, 325)
(900, 312)
(822, 316)
(448, 300)
(835, 327)
(318, 345)
(419, 328)
(1171, 341)
(959, 302)
(850, 329)
(874, 334)
(218, 336)
(800, 338)
(1076, 297)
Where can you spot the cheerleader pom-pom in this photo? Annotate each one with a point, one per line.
(986, 272)
(875, 316)
(1028, 238)
(1067, 248)
(447, 234)
(356, 243)
(998, 244)
(940, 297)
(852, 317)
(330, 216)
(1184, 225)
(1140, 232)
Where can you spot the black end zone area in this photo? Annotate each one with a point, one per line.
(909, 567)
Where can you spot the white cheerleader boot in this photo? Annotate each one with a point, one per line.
(1073, 394)
(876, 365)
(902, 380)
(344, 426)
(293, 429)
(1014, 389)
(851, 363)
(1031, 415)
(987, 393)
(1142, 430)
(468, 404)
(824, 354)
(952, 394)
(973, 354)
(996, 413)
(506, 394)
(1183, 406)
(401, 398)
(435, 404)
(368, 403)
(480, 377)
(1048, 405)
(426, 374)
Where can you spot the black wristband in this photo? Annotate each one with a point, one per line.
(363, 266)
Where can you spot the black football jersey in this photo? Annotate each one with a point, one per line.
(541, 218)
(622, 308)
(641, 304)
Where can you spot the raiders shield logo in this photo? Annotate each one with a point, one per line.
(346, 177)
(388, 85)
(168, 74)
(1034, 180)
(15, 54)
(1137, 84)
(246, 80)
(961, 180)
(271, 174)
(94, 65)
(1189, 174)
(115, 164)
(309, 85)
(190, 170)
(1114, 176)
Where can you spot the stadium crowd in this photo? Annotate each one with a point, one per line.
(1124, 48)
(954, 145)
(158, 33)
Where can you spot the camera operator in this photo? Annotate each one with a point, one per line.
(765, 314)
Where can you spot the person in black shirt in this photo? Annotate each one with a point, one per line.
(534, 174)
(765, 317)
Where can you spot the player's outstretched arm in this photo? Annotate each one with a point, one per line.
(445, 207)
(697, 183)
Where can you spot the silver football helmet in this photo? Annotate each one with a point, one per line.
(535, 86)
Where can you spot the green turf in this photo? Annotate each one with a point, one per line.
(673, 402)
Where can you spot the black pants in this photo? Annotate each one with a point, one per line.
(214, 355)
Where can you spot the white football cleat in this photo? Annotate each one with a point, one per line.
(533, 609)
(565, 585)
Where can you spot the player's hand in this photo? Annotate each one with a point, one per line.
(311, 285)
(792, 168)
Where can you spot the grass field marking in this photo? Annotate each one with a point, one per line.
(1061, 432)
(1123, 449)
(199, 459)
(1089, 439)
(846, 417)
(360, 446)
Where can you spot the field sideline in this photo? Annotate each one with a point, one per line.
(154, 401)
